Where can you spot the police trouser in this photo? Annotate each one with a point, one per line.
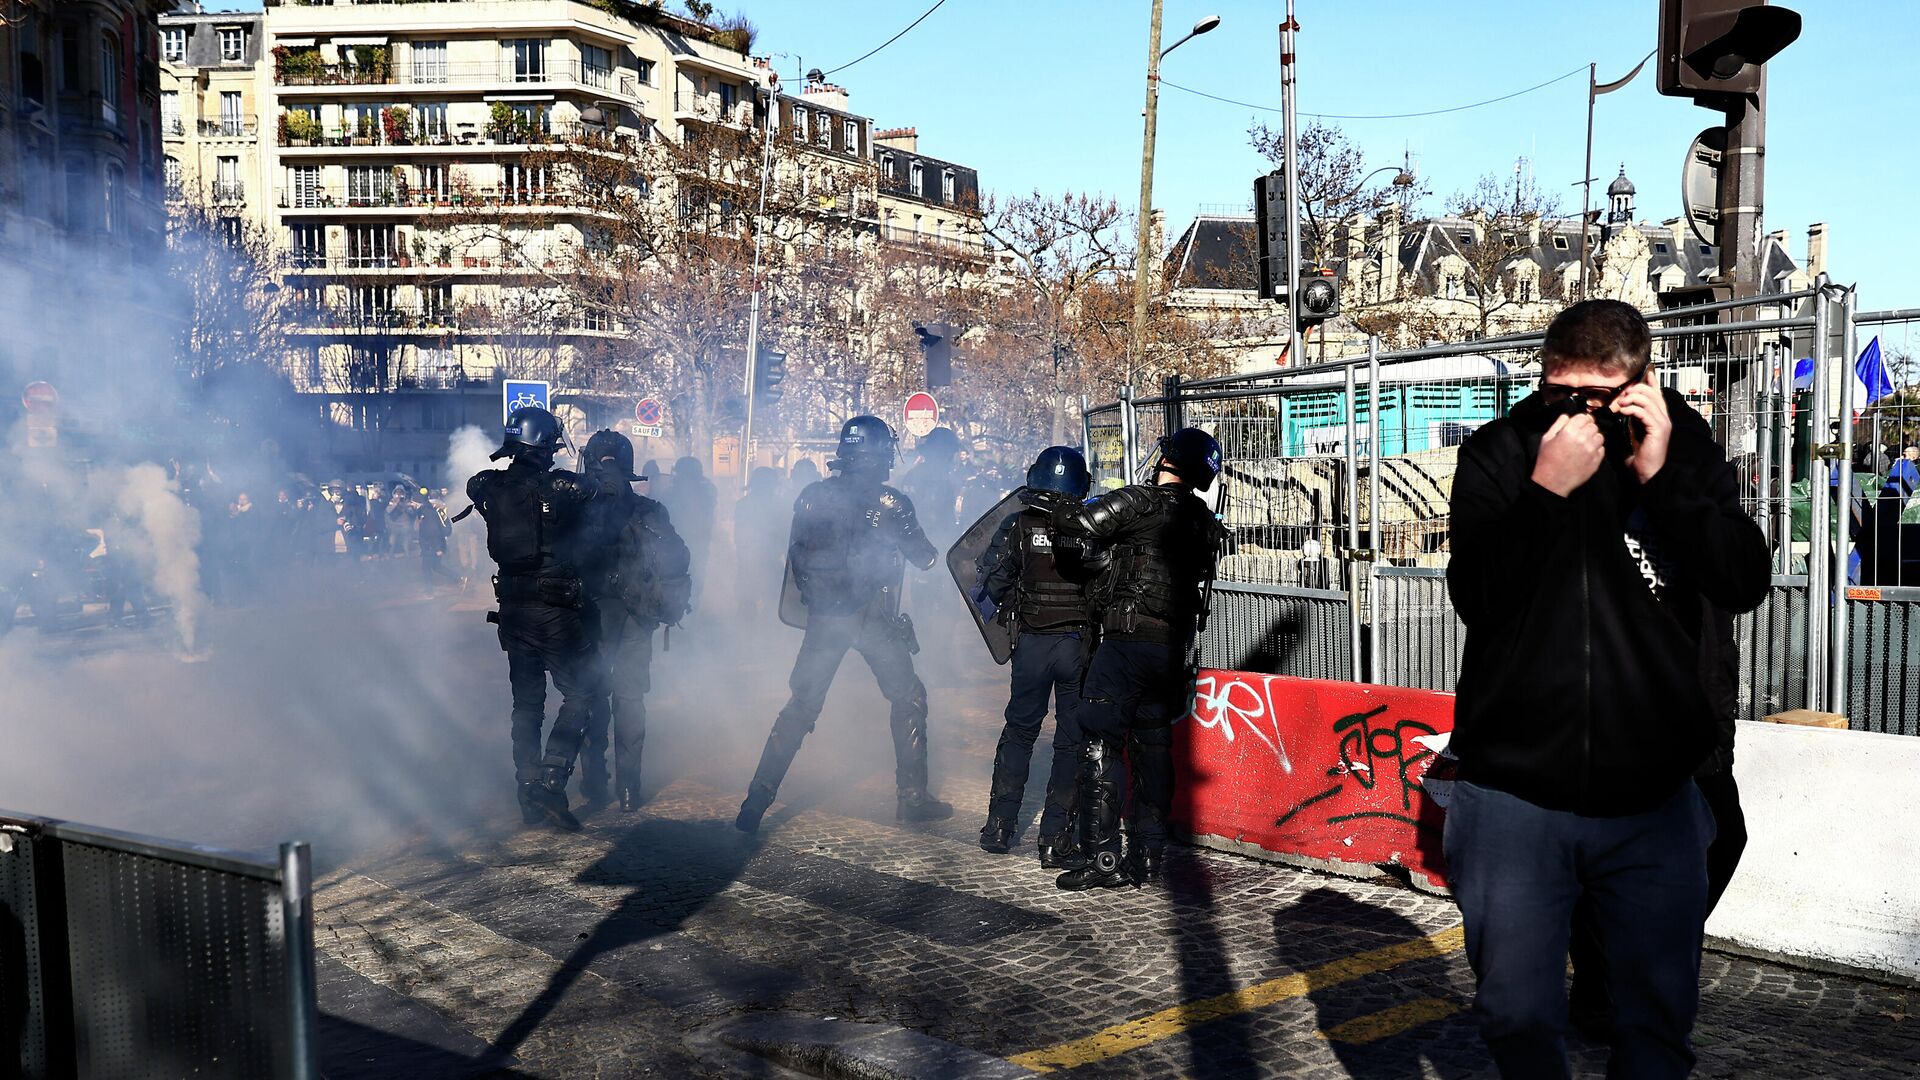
(884, 646)
(1134, 691)
(541, 639)
(1044, 666)
(624, 657)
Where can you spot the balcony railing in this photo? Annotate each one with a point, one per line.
(471, 134)
(172, 127)
(295, 72)
(229, 191)
(893, 234)
(230, 128)
(313, 262)
(688, 104)
(333, 197)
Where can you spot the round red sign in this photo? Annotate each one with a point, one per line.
(922, 414)
(39, 397)
(648, 411)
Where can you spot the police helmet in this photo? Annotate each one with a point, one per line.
(1191, 454)
(530, 429)
(609, 445)
(1061, 469)
(865, 440)
(940, 442)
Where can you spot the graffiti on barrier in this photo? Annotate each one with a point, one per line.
(1221, 705)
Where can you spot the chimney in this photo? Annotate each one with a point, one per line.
(907, 139)
(1816, 249)
(1532, 220)
(1356, 237)
(826, 95)
(1779, 236)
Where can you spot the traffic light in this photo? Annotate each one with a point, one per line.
(1319, 296)
(1717, 48)
(1270, 228)
(769, 371)
(936, 343)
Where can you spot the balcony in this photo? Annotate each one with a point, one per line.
(709, 108)
(229, 192)
(296, 73)
(893, 234)
(331, 197)
(229, 127)
(465, 134)
(172, 127)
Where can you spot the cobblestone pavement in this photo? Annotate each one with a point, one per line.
(532, 953)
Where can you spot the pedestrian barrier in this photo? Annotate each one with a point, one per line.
(1883, 658)
(128, 956)
(1279, 629)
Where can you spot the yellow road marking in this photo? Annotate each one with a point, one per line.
(1133, 1034)
(1366, 1029)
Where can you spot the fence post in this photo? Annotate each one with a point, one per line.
(1819, 500)
(1174, 408)
(1843, 544)
(1086, 433)
(296, 909)
(1127, 436)
(1350, 558)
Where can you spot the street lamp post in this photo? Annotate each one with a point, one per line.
(1144, 257)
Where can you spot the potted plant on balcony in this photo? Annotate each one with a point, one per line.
(363, 131)
(298, 129)
(502, 122)
(370, 64)
(397, 121)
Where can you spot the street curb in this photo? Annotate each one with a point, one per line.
(783, 1045)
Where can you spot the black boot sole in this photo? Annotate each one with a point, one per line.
(1083, 881)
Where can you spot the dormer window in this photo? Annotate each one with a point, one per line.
(173, 44)
(1660, 248)
(1465, 238)
(233, 45)
(1560, 243)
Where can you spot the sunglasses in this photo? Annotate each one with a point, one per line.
(1594, 398)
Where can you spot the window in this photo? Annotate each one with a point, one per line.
(916, 226)
(70, 74)
(825, 132)
(1660, 249)
(110, 203)
(1560, 243)
(370, 246)
(887, 167)
(1465, 238)
(946, 186)
(170, 169)
(1526, 290)
(307, 245)
(173, 43)
(596, 66)
(429, 61)
(643, 70)
(1452, 289)
(170, 114)
(917, 181)
(521, 184)
(727, 99)
(369, 185)
(534, 118)
(529, 59)
(430, 121)
(850, 137)
(306, 186)
(1706, 249)
(799, 124)
(436, 304)
(226, 180)
(233, 45)
(437, 362)
(109, 78)
(433, 182)
(232, 119)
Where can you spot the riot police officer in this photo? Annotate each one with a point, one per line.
(635, 568)
(851, 533)
(530, 508)
(1037, 583)
(1160, 543)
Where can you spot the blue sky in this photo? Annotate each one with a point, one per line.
(1047, 96)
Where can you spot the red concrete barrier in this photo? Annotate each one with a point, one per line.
(1326, 771)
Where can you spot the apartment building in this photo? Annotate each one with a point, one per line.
(926, 203)
(213, 92)
(406, 143)
(80, 148)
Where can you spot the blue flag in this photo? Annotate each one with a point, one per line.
(1872, 374)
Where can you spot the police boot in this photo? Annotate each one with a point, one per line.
(593, 778)
(916, 805)
(996, 836)
(530, 813)
(1144, 861)
(626, 780)
(549, 796)
(1099, 821)
(759, 797)
(1061, 850)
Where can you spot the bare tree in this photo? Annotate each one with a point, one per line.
(224, 267)
(1493, 256)
(1333, 184)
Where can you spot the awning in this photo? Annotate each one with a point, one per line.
(517, 97)
(296, 42)
(380, 39)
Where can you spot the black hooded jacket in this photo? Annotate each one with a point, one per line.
(1599, 666)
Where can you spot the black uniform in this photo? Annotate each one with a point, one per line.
(850, 535)
(544, 615)
(1160, 543)
(634, 566)
(1037, 580)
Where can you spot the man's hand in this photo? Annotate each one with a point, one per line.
(1644, 402)
(1570, 453)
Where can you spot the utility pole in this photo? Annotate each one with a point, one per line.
(1586, 178)
(1289, 119)
(1143, 259)
(753, 305)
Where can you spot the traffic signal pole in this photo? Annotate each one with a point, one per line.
(1289, 120)
(1742, 191)
(753, 305)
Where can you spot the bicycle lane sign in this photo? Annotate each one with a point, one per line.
(522, 394)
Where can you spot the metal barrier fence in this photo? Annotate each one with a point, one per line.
(126, 956)
(1280, 630)
(1341, 473)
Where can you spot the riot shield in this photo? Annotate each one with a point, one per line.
(793, 610)
(963, 562)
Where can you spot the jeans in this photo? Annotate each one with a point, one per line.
(1518, 870)
(1045, 666)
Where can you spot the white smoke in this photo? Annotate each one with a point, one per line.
(165, 545)
(467, 453)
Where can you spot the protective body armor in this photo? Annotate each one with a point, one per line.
(1036, 574)
(851, 536)
(528, 509)
(1160, 544)
(627, 551)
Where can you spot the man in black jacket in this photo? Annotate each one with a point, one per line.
(1598, 547)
